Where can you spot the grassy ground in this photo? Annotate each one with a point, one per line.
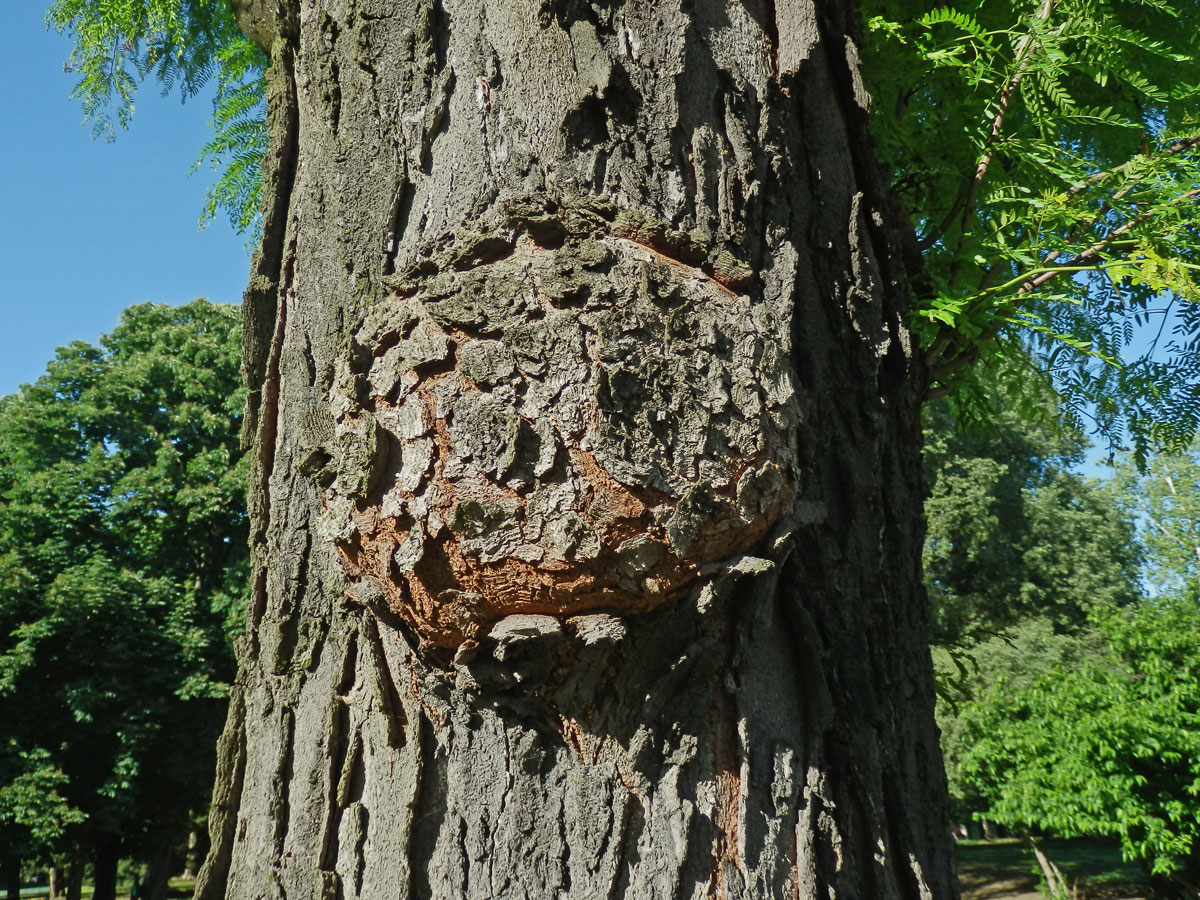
(176, 887)
(991, 870)
(988, 870)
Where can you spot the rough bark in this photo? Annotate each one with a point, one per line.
(75, 872)
(105, 856)
(10, 877)
(586, 503)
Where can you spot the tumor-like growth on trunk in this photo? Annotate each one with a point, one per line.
(572, 411)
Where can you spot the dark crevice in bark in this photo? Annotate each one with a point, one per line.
(282, 782)
(633, 822)
(338, 739)
(397, 221)
(439, 28)
(349, 663)
(261, 300)
(263, 318)
(429, 810)
(390, 705)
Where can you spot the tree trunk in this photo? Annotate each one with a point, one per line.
(75, 874)
(192, 856)
(55, 879)
(10, 876)
(1056, 884)
(105, 856)
(586, 494)
(158, 873)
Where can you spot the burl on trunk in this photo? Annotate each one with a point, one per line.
(586, 500)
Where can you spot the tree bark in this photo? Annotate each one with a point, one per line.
(586, 493)
(10, 876)
(105, 856)
(155, 885)
(75, 871)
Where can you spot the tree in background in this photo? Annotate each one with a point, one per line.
(1164, 501)
(34, 815)
(1106, 747)
(1013, 533)
(1020, 554)
(122, 575)
(1093, 730)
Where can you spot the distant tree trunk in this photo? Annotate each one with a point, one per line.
(10, 876)
(586, 504)
(75, 875)
(194, 855)
(106, 854)
(158, 872)
(55, 879)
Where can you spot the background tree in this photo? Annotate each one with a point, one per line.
(122, 570)
(34, 815)
(1097, 736)
(1020, 556)
(1013, 533)
(1110, 747)
(1164, 501)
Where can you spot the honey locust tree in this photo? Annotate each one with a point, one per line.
(122, 556)
(585, 430)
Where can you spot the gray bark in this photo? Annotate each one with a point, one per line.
(586, 498)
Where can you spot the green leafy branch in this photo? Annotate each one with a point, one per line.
(1052, 181)
(185, 45)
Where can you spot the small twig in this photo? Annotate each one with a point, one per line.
(1176, 148)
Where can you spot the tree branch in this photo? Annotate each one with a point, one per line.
(1044, 274)
(975, 182)
(1024, 48)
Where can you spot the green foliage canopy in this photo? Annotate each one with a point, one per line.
(122, 571)
(183, 44)
(1020, 553)
(1110, 747)
(1047, 153)
(1013, 533)
(1097, 732)
(1164, 499)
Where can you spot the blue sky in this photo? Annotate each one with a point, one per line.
(90, 227)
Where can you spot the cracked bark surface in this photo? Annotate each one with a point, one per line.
(587, 502)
